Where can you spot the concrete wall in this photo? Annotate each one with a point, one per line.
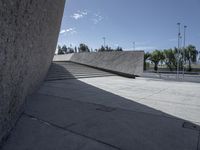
(29, 31)
(64, 57)
(129, 62)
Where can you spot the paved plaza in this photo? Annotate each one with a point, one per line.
(81, 108)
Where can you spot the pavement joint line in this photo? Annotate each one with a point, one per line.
(163, 114)
(71, 124)
(106, 109)
(154, 93)
(71, 131)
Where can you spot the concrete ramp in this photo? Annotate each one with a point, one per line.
(124, 63)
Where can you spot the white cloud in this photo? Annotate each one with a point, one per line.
(97, 18)
(62, 31)
(69, 30)
(79, 14)
(84, 13)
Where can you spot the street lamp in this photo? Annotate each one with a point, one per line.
(133, 45)
(178, 50)
(104, 41)
(184, 49)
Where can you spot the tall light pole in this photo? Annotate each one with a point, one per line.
(104, 41)
(133, 45)
(178, 50)
(184, 38)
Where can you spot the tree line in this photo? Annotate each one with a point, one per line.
(84, 48)
(172, 58)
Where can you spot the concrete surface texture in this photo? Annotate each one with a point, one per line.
(130, 62)
(109, 112)
(29, 31)
(69, 70)
(168, 76)
(64, 57)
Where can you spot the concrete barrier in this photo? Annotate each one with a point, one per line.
(124, 63)
(29, 31)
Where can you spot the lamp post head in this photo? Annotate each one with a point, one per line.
(185, 26)
(179, 23)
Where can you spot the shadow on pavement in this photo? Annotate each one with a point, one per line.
(70, 114)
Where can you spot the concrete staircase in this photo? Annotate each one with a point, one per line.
(69, 70)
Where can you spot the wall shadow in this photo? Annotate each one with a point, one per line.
(100, 116)
(121, 109)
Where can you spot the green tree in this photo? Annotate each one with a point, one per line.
(170, 59)
(60, 51)
(75, 49)
(70, 50)
(119, 49)
(191, 55)
(146, 57)
(83, 48)
(64, 49)
(156, 57)
(102, 49)
(108, 48)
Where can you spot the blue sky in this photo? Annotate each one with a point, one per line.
(151, 24)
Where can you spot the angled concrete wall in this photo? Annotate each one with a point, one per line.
(29, 31)
(128, 62)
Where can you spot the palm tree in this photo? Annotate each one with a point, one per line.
(191, 55)
(170, 58)
(156, 57)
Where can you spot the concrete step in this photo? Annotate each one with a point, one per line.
(69, 70)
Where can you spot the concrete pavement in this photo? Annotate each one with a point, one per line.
(173, 77)
(108, 112)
